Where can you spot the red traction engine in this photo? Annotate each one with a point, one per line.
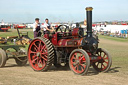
(69, 47)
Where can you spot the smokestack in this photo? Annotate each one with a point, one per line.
(89, 21)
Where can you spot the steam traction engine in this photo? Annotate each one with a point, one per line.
(70, 47)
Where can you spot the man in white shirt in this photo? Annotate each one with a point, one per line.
(36, 28)
(47, 27)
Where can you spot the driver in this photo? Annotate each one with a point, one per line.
(47, 27)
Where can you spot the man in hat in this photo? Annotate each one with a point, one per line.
(36, 28)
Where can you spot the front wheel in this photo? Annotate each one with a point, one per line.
(103, 64)
(79, 61)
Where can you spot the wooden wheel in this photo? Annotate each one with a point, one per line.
(3, 58)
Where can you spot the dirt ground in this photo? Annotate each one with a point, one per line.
(12, 74)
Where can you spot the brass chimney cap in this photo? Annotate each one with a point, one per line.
(89, 8)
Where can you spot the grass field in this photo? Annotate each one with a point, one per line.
(12, 74)
(14, 32)
(114, 38)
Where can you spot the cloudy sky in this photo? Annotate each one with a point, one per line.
(62, 10)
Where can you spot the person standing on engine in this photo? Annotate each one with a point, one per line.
(47, 27)
(36, 28)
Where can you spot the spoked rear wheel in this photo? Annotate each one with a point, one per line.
(40, 54)
(79, 61)
(104, 64)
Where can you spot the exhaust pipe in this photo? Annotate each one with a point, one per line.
(89, 21)
(90, 43)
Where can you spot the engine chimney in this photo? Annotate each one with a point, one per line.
(89, 21)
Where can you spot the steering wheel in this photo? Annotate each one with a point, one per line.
(63, 29)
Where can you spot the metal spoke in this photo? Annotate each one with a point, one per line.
(35, 45)
(36, 49)
(44, 63)
(44, 47)
(104, 55)
(33, 52)
(44, 53)
(77, 68)
(105, 62)
(106, 58)
(74, 63)
(84, 61)
(99, 53)
(75, 54)
(82, 69)
(97, 64)
(75, 57)
(44, 58)
(82, 57)
(33, 61)
(103, 65)
(40, 62)
(34, 56)
(81, 54)
(83, 65)
(37, 62)
(39, 46)
(36, 65)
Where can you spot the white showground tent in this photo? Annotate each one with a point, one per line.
(113, 28)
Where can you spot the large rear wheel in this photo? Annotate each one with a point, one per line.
(79, 61)
(104, 64)
(40, 54)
